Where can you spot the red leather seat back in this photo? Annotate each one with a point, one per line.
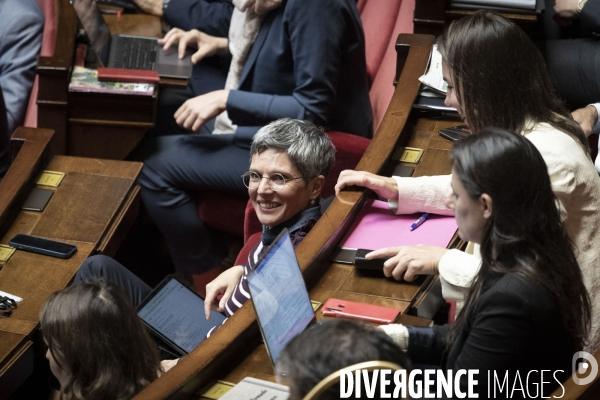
(378, 20)
(373, 16)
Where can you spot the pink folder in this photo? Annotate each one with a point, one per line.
(376, 226)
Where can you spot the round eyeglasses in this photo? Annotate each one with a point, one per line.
(275, 181)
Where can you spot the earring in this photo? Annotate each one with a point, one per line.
(313, 202)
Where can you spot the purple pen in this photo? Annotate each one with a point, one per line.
(419, 222)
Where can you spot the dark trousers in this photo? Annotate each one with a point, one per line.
(101, 266)
(177, 169)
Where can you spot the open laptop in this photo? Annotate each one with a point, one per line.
(129, 51)
(175, 315)
(279, 296)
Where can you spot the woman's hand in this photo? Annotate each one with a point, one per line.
(207, 45)
(383, 186)
(586, 117)
(196, 111)
(223, 284)
(408, 262)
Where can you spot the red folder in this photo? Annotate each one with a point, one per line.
(128, 75)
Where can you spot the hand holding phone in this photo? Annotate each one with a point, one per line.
(365, 312)
(39, 245)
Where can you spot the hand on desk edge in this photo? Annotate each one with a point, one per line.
(382, 185)
(408, 262)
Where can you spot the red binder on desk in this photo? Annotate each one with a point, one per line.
(128, 75)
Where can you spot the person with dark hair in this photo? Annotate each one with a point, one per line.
(527, 308)
(329, 346)
(289, 161)
(98, 348)
(497, 77)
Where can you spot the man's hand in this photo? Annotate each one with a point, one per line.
(154, 7)
(196, 111)
(586, 117)
(383, 186)
(566, 9)
(408, 262)
(206, 45)
(224, 284)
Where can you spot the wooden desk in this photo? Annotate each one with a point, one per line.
(433, 16)
(93, 208)
(93, 124)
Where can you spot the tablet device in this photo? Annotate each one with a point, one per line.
(279, 295)
(175, 314)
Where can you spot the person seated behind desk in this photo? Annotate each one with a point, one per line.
(329, 346)
(497, 77)
(278, 74)
(527, 308)
(98, 348)
(21, 26)
(289, 162)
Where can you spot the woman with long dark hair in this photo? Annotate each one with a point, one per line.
(497, 77)
(527, 308)
(98, 347)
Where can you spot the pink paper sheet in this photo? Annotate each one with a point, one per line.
(376, 226)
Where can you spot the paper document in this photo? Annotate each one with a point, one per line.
(434, 78)
(257, 389)
(376, 226)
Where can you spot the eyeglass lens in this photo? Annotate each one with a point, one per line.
(275, 181)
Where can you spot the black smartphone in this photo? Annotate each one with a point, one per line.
(455, 133)
(36, 244)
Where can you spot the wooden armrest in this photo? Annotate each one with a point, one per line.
(54, 71)
(33, 154)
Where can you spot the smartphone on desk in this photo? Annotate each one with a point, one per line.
(365, 312)
(455, 133)
(40, 245)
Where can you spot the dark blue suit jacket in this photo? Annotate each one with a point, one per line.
(513, 325)
(209, 16)
(308, 62)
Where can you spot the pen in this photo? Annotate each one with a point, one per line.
(419, 222)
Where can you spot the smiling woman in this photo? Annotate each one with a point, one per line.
(289, 160)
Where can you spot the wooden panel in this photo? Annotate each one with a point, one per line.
(74, 214)
(54, 73)
(433, 16)
(134, 24)
(11, 341)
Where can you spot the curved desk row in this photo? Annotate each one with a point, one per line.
(92, 208)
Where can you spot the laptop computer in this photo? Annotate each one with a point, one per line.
(279, 295)
(129, 51)
(175, 315)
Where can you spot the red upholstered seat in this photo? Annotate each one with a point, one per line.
(48, 41)
(382, 21)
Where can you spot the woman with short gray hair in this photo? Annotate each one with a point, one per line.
(289, 160)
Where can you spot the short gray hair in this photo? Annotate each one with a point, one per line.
(308, 147)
